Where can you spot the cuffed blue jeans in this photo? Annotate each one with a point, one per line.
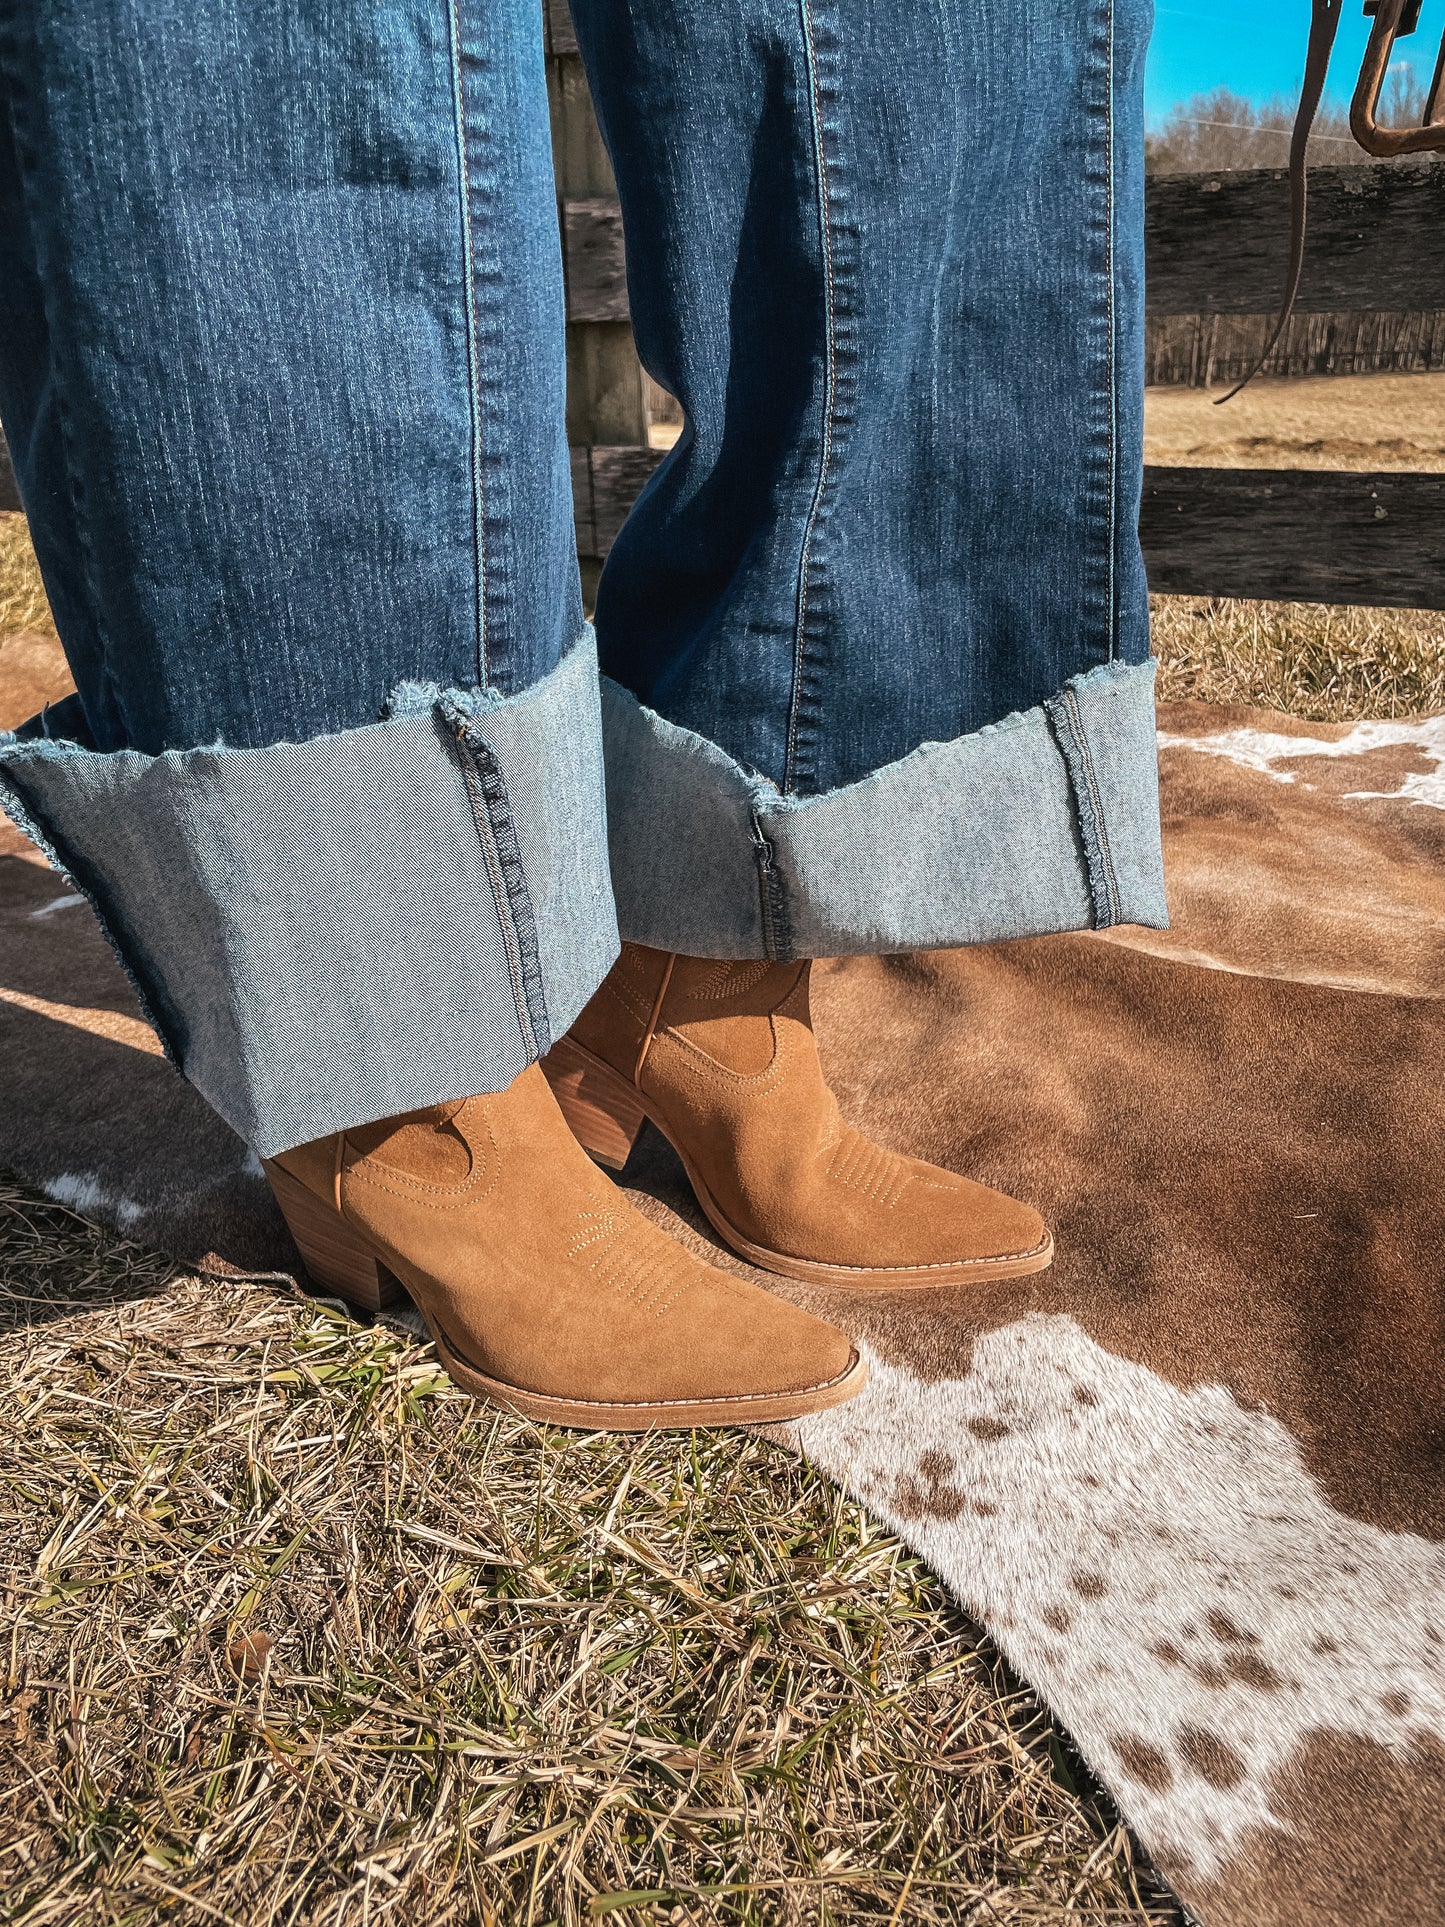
(282, 372)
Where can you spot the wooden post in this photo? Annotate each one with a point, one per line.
(9, 493)
(606, 389)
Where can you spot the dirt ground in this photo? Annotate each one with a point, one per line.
(1325, 421)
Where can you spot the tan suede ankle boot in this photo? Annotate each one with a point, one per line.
(542, 1286)
(721, 1057)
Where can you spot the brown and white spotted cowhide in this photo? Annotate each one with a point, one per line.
(1193, 1477)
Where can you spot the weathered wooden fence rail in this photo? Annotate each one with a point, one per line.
(1217, 243)
(1373, 295)
(1296, 535)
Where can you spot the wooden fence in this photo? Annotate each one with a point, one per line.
(1215, 246)
(1210, 350)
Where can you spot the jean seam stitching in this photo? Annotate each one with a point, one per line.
(1096, 836)
(820, 167)
(497, 831)
(474, 381)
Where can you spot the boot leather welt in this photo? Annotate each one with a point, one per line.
(543, 1287)
(721, 1057)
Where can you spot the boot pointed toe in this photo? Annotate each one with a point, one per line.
(721, 1057)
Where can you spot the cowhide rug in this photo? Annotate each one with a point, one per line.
(1193, 1477)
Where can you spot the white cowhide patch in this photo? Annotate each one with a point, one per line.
(84, 1194)
(1263, 750)
(1161, 1566)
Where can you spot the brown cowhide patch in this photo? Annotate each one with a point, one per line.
(33, 672)
(93, 1113)
(1280, 861)
(1193, 1477)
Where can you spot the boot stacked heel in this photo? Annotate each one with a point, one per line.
(601, 1108)
(336, 1260)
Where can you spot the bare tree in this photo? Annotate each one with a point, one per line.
(1210, 133)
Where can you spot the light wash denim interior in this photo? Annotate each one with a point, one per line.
(322, 931)
(1046, 821)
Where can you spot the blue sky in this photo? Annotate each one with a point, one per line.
(1257, 47)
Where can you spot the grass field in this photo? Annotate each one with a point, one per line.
(298, 1633)
(23, 607)
(1310, 660)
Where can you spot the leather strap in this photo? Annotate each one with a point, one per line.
(1324, 24)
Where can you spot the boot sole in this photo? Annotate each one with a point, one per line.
(606, 1113)
(339, 1261)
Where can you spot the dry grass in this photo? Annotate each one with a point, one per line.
(297, 1633)
(22, 594)
(1325, 664)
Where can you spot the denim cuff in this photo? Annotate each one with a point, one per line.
(329, 932)
(1046, 821)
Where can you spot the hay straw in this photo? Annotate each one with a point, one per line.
(298, 1633)
(1323, 663)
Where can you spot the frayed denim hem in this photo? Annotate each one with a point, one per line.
(328, 932)
(1046, 821)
